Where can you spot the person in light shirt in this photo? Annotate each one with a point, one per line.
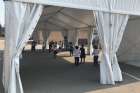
(96, 55)
(76, 54)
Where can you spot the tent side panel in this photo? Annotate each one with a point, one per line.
(129, 50)
(81, 4)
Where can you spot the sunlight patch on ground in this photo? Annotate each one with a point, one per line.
(66, 56)
(2, 43)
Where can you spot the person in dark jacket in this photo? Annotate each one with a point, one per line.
(71, 48)
(83, 54)
(33, 48)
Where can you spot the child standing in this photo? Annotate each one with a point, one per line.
(77, 55)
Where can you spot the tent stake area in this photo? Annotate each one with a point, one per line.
(41, 73)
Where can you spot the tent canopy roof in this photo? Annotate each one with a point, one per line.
(130, 7)
(61, 18)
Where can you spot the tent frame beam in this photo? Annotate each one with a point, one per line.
(57, 25)
(75, 19)
(63, 22)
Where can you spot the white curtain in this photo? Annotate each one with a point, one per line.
(65, 34)
(46, 35)
(75, 37)
(40, 36)
(72, 36)
(21, 19)
(82, 4)
(118, 6)
(110, 29)
(35, 35)
(90, 38)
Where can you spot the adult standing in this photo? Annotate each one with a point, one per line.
(71, 49)
(83, 54)
(33, 48)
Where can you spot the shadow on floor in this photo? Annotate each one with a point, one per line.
(42, 73)
(1, 60)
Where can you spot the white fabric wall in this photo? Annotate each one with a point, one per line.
(83, 4)
(55, 36)
(90, 38)
(117, 6)
(21, 19)
(129, 50)
(12, 80)
(110, 28)
(40, 36)
(83, 34)
(73, 36)
(46, 38)
(126, 6)
(37, 35)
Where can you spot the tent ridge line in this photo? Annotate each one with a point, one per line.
(75, 19)
(70, 5)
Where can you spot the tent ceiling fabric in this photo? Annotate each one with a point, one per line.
(130, 7)
(59, 18)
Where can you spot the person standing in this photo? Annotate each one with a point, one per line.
(71, 49)
(55, 51)
(83, 54)
(96, 55)
(50, 46)
(76, 54)
(33, 48)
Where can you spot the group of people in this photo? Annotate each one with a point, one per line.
(55, 46)
(80, 54)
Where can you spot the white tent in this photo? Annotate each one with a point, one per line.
(130, 46)
(68, 21)
(22, 17)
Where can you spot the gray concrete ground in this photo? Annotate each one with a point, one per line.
(42, 73)
(134, 63)
(1, 60)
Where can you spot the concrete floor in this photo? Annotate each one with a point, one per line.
(1, 86)
(134, 63)
(41, 73)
